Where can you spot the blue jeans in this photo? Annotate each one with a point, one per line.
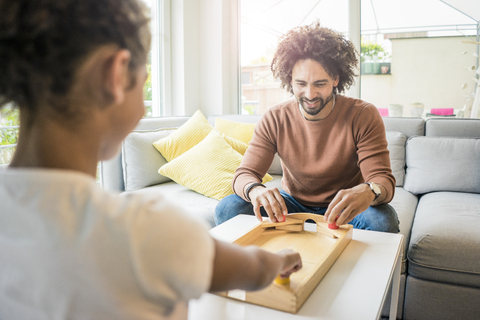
(379, 218)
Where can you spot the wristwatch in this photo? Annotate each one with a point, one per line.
(375, 189)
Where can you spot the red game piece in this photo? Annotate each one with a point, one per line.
(333, 225)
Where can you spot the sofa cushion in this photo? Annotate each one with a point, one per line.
(140, 160)
(196, 203)
(238, 130)
(396, 147)
(188, 135)
(182, 196)
(445, 242)
(440, 301)
(404, 204)
(207, 168)
(442, 164)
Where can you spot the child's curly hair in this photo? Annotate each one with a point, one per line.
(43, 42)
(331, 49)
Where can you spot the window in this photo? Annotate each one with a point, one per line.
(9, 127)
(152, 90)
(262, 24)
(412, 52)
(415, 57)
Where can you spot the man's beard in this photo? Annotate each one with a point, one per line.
(320, 107)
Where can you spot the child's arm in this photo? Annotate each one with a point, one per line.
(249, 268)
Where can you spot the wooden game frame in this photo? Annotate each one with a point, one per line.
(318, 250)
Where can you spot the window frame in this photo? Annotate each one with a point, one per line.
(160, 58)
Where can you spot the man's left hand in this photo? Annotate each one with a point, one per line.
(349, 203)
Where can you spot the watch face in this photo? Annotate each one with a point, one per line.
(376, 188)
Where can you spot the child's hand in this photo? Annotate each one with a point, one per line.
(250, 268)
(292, 262)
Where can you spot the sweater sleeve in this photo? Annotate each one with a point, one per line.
(372, 151)
(258, 157)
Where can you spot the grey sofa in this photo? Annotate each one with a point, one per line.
(437, 167)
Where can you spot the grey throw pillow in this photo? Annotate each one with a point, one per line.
(442, 164)
(140, 159)
(396, 146)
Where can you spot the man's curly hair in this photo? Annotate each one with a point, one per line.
(331, 49)
(43, 42)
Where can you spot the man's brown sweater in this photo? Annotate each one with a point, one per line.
(319, 158)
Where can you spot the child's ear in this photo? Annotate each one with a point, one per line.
(117, 76)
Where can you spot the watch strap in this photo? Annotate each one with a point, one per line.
(370, 184)
(250, 187)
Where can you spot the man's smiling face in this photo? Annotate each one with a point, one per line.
(313, 88)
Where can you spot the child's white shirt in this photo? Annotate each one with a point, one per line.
(71, 250)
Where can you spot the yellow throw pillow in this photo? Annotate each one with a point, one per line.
(237, 145)
(185, 137)
(207, 168)
(238, 130)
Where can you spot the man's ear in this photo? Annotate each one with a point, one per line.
(117, 76)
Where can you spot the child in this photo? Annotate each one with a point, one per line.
(69, 249)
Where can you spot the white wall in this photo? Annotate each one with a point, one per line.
(427, 70)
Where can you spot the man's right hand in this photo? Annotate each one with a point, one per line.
(271, 200)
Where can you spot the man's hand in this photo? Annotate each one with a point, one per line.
(271, 200)
(349, 203)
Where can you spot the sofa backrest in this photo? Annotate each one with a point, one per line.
(408, 126)
(398, 131)
(452, 127)
(114, 173)
(235, 117)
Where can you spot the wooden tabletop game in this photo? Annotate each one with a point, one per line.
(318, 250)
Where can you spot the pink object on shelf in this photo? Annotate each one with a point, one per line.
(442, 111)
(383, 112)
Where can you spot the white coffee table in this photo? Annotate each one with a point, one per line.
(355, 287)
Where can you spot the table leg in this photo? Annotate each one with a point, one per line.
(396, 286)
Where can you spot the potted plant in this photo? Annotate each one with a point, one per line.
(395, 110)
(370, 55)
(385, 64)
(416, 109)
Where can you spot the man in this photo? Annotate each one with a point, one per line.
(333, 148)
